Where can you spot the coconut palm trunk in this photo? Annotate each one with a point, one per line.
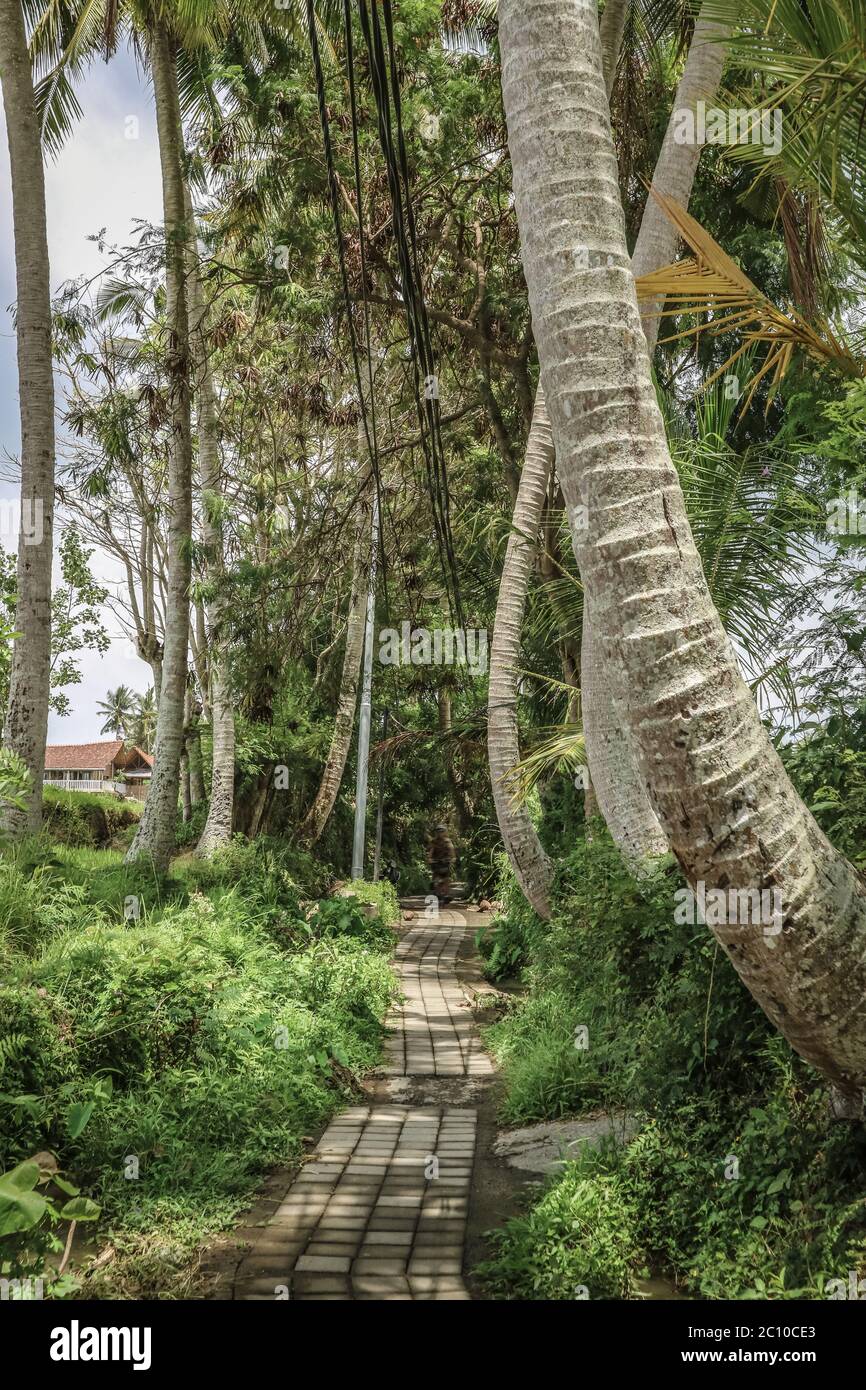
(731, 815)
(530, 863)
(678, 160)
(218, 826)
(155, 835)
(344, 720)
(529, 859)
(617, 780)
(26, 723)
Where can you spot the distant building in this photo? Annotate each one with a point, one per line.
(99, 767)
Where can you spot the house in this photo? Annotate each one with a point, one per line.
(99, 767)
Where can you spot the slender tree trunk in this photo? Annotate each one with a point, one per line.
(619, 785)
(677, 164)
(344, 720)
(732, 818)
(218, 826)
(611, 27)
(617, 780)
(26, 725)
(185, 793)
(529, 860)
(155, 835)
(192, 751)
(462, 804)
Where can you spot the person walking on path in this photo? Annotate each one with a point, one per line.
(441, 856)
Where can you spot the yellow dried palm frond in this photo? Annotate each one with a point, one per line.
(708, 281)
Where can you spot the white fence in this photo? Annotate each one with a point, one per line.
(81, 784)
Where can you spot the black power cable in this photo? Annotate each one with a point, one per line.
(386, 87)
(369, 424)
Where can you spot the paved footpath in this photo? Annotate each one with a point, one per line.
(379, 1211)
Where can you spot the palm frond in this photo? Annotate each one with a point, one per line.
(563, 750)
(709, 282)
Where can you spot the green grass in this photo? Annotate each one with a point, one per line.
(203, 1038)
(87, 818)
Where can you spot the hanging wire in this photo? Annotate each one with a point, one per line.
(386, 88)
(368, 417)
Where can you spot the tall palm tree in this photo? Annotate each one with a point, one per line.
(26, 723)
(528, 858)
(619, 786)
(154, 837)
(144, 720)
(527, 855)
(119, 710)
(218, 826)
(732, 818)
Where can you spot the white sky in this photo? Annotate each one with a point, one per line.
(101, 179)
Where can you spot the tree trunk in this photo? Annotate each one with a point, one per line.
(26, 725)
(218, 826)
(462, 804)
(677, 164)
(155, 835)
(528, 857)
(344, 720)
(192, 750)
(617, 780)
(619, 786)
(732, 818)
(530, 863)
(185, 792)
(611, 27)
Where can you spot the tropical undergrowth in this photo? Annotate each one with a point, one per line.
(167, 1040)
(735, 1183)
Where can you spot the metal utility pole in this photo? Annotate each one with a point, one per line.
(366, 706)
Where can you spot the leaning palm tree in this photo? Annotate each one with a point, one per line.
(118, 709)
(528, 858)
(323, 803)
(26, 722)
(617, 785)
(617, 782)
(731, 815)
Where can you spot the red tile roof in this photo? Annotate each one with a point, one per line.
(82, 757)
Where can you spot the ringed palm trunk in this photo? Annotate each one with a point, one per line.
(531, 865)
(677, 164)
(619, 786)
(731, 815)
(154, 838)
(344, 721)
(26, 723)
(220, 816)
(528, 857)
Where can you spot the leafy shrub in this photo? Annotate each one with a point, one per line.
(506, 945)
(577, 1241)
(381, 895)
(675, 1039)
(195, 1038)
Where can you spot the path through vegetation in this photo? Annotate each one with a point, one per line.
(380, 1210)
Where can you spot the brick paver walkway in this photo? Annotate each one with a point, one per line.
(380, 1210)
(433, 1033)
